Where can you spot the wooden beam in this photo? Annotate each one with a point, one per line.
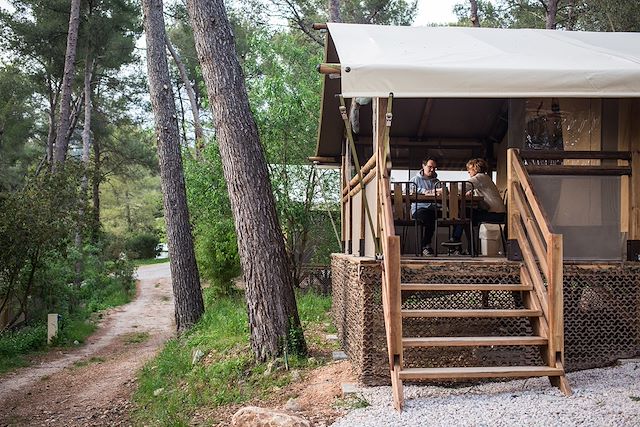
(578, 170)
(324, 160)
(329, 68)
(563, 155)
(319, 26)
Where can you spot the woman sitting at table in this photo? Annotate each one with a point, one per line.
(491, 208)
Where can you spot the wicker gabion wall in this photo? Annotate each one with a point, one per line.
(601, 315)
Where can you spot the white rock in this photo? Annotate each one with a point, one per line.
(252, 416)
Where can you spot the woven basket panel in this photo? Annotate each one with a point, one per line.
(601, 315)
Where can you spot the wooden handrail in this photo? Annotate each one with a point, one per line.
(525, 182)
(356, 179)
(542, 255)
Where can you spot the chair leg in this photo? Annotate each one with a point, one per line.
(504, 240)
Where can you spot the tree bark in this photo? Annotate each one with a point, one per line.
(65, 102)
(197, 125)
(271, 304)
(95, 186)
(475, 20)
(552, 11)
(334, 11)
(86, 147)
(189, 305)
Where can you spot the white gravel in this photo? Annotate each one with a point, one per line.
(601, 397)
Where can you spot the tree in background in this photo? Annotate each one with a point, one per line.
(285, 94)
(65, 102)
(587, 15)
(189, 305)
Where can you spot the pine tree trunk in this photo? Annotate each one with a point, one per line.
(552, 11)
(271, 304)
(95, 189)
(475, 20)
(197, 125)
(86, 147)
(65, 101)
(334, 11)
(189, 305)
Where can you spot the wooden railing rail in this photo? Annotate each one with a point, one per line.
(368, 172)
(542, 254)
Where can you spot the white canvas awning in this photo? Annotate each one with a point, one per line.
(457, 62)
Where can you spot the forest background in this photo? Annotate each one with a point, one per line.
(67, 239)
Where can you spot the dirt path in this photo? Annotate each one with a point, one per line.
(92, 385)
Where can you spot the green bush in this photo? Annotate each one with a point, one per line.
(142, 246)
(22, 341)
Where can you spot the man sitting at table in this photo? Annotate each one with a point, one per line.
(424, 212)
(491, 208)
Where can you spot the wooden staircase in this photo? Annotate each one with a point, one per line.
(532, 311)
(540, 294)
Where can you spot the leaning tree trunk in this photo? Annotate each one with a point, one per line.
(197, 126)
(65, 101)
(273, 314)
(184, 271)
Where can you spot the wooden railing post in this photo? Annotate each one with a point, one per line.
(512, 210)
(554, 290)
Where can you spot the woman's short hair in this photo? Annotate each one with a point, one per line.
(479, 165)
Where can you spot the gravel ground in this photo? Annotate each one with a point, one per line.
(601, 397)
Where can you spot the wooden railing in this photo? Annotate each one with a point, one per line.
(391, 299)
(368, 173)
(542, 254)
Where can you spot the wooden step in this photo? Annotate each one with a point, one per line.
(479, 372)
(464, 287)
(471, 341)
(471, 313)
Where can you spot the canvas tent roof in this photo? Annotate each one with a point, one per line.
(457, 63)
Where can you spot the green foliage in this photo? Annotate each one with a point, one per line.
(214, 229)
(142, 245)
(285, 99)
(589, 15)
(226, 374)
(14, 344)
(17, 117)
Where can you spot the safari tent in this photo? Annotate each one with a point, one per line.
(557, 116)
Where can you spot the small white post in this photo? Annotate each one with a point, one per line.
(52, 327)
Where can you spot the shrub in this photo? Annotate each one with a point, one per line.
(142, 246)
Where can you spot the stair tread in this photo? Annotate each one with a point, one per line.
(464, 287)
(472, 341)
(472, 313)
(479, 372)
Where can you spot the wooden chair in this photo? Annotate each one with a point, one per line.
(405, 193)
(454, 209)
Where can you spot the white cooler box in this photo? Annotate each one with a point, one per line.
(490, 241)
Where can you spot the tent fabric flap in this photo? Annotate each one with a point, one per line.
(417, 62)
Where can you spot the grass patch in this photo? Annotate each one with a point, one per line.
(135, 337)
(149, 261)
(226, 374)
(352, 402)
(87, 362)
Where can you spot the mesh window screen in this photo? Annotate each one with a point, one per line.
(586, 211)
